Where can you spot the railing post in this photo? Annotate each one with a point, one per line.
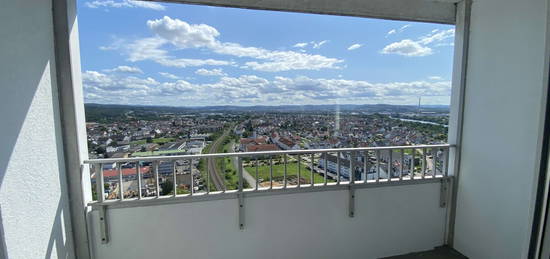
(120, 187)
(285, 171)
(100, 185)
(240, 194)
(312, 176)
(139, 183)
(192, 183)
(157, 184)
(351, 205)
(299, 170)
(175, 179)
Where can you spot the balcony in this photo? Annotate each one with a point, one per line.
(394, 203)
(498, 167)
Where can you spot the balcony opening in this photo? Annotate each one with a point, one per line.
(169, 80)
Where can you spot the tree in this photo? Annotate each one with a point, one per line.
(166, 187)
(149, 140)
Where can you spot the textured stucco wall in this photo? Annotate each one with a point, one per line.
(388, 221)
(502, 123)
(33, 193)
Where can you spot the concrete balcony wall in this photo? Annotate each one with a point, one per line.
(389, 221)
(34, 211)
(502, 124)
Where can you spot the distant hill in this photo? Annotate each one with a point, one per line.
(102, 112)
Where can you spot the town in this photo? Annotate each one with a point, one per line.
(125, 132)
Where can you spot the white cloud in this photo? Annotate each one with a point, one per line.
(392, 31)
(212, 72)
(407, 48)
(150, 49)
(125, 4)
(355, 46)
(252, 90)
(437, 36)
(404, 27)
(318, 45)
(300, 45)
(184, 36)
(422, 46)
(125, 69)
(395, 31)
(168, 75)
(435, 78)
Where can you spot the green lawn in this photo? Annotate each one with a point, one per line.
(163, 140)
(139, 142)
(278, 172)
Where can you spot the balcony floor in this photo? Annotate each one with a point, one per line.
(442, 252)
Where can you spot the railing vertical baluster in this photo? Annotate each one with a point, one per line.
(326, 169)
(352, 167)
(312, 176)
(138, 173)
(284, 173)
(377, 165)
(412, 163)
(270, 172)
(120, 187)
(390, 164)
(299, 163)
(446, 162)
(434, 162)
(192, 184)
(365, 165)
(175, 179)
(338, 168)
(401, 164)
(156, 170)
(257, 173)
(240, 173)
(208, 176)
(424, 163)
(99, 181)
(224, 187)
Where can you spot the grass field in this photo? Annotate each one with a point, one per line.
(162, 140)
(155, 140)
(278, 172)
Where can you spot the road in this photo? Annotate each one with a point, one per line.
(215, 175)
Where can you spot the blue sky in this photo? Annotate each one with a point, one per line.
(149, 53)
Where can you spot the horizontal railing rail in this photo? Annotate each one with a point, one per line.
(244, 154)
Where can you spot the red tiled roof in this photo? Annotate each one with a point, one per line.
(263, 147)
(125, 171)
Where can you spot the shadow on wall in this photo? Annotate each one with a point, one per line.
(27, 92)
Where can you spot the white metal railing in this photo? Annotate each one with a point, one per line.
(314, 170)
(343, 166)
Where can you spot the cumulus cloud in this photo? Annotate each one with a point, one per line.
(300, 45)
(168, 75)
(251, 90)
(422, 46)
(212, 72)
(355, 46)
(125, 69)
(150, 49)
(183, 35)
(407, 48)
(125, 4)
